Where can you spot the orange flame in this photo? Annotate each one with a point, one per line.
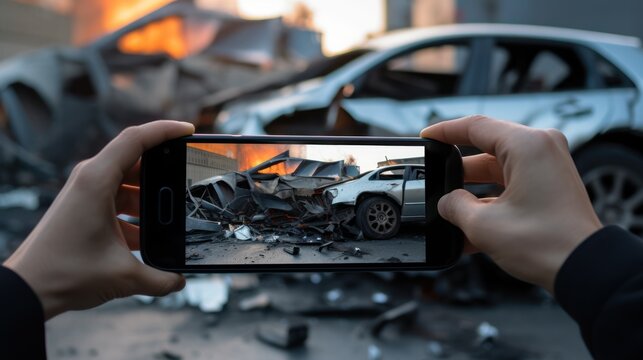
(250, 155)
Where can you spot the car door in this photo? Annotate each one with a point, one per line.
(413, 207)
(413, 89)
(544, 84)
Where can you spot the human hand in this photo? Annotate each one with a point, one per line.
(544, 212)
(78, 256)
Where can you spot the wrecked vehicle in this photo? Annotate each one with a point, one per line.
(60, 105)
(279, 199)
(383, 198)
(585, 84)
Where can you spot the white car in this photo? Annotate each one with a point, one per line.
(383, 198)
(586, 84)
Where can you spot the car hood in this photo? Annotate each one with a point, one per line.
(250, 114)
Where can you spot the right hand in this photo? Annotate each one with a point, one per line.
(544, 212)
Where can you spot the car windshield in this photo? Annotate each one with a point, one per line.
(325, 66)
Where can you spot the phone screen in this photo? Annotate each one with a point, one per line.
(275, 204)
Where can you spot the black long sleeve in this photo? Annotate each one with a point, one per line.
(22, 321)
(600, 285)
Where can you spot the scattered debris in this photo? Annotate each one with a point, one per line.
(334, 295)
(435, 349)
(20, 198)
(242, 233)
(285, 333)
(374, 352)
(168, 355)
(487, 334)
(379, 298)
(209, 294)
(242, 282)
(292, 251)
(259, 301)
(403, 313)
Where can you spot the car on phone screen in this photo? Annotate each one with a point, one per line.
(383, 198)
(585, 84)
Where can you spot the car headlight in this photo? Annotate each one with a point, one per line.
(332, 193)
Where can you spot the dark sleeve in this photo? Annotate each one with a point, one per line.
(22, 321)
(600, 285)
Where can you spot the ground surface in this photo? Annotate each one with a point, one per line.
(126, 329)
(407, 246)
(255, 252)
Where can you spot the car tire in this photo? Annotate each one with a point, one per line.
(378, 218)
(613, 177)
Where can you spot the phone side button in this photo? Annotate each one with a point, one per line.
(165, 206)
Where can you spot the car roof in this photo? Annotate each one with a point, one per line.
(418, 35)
(397, 165)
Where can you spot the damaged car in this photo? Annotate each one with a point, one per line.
(585, 84)
(279, 198)
(383, 198)
(60, 105)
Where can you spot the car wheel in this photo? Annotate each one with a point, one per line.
(378, 218)
(613, 177)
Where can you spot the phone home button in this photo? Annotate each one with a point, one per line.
(165, 207)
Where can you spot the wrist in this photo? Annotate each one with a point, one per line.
(47, 289)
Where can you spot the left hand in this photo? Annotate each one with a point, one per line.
(78, 256)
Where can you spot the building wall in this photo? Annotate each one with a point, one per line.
(202, 164)
(615, 16)
(25, 27)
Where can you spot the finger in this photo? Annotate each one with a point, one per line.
(131, 233)
(457, 207)
(155, 282)
(482, 168)
(132, 176)
(124, 151)
(128, 200)
(482, 132)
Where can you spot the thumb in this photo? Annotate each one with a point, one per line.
(457, 207)
(155, 282)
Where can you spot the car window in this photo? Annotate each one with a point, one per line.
(425, 73)
(610, 75)
(390, 174)
(532, 68)
(417, 174)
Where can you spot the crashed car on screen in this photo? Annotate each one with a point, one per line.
(281, 198)
(60, 105)
(586, 84)
(383, 198)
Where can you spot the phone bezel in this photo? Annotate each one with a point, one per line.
(167, 253)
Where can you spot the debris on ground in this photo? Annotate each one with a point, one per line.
(284, 333)
(404, 313)
(436, 350)
(487, 334)
(374, 352)
(259, 301)
(292, 251)
(168, 355)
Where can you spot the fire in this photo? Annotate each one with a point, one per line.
(163, 36)
(175, 36)
(250, 155)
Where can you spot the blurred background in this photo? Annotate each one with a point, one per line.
(74, 73)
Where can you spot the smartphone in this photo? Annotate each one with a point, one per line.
(232, 203)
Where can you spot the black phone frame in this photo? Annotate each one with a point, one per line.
(166, 253)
